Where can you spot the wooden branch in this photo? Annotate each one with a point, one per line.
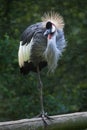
(74, 121)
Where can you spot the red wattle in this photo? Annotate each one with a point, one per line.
(49, 36)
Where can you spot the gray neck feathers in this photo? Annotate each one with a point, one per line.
(52, 54)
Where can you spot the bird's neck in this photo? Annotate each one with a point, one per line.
(51, 53)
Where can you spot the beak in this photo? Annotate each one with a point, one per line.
(48, 31)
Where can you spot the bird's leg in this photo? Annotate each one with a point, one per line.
(43, 115)
(41, 91)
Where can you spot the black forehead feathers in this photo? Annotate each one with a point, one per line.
(48, 25)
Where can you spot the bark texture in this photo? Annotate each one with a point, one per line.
(74, 121)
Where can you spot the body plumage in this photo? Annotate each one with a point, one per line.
(36, 49)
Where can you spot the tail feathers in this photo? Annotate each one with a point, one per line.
(31, 67)
(27, 68)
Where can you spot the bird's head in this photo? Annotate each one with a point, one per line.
(50, 30)
(53, 23)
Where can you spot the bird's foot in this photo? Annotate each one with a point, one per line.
(45, 117)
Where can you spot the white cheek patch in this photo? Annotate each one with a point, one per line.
(53, 29)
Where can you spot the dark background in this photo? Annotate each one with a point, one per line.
(66, 90)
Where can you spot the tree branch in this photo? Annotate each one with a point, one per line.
(74, 121)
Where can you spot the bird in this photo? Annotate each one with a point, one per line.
(41, 45)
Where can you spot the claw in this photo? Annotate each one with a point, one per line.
(44, 117)
(44, 120)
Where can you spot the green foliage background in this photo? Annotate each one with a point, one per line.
(66, 90)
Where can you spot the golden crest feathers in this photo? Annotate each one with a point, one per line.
(55, 18)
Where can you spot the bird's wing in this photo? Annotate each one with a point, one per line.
(27, 41)
(29, 32)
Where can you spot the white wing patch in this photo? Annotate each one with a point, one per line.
(24, 52)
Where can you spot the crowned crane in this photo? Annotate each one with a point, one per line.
(42, 45)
